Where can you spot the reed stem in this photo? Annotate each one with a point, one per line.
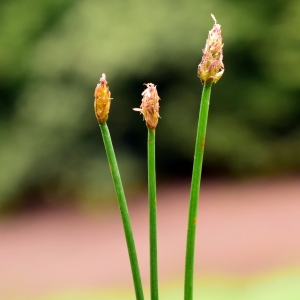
(194, 193)
(152, 214)
(123, 210)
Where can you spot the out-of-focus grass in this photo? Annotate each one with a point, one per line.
(274, 286)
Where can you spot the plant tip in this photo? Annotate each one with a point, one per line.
(102, 99)
(214, 18)
(211, 67)
(150, 107)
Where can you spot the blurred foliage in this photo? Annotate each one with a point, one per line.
(53, 52)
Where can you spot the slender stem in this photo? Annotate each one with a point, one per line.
(123, 209)
(194, 194)
(152, 214)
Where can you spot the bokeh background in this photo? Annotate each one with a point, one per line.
(52, 54)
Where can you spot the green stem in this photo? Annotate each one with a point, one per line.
(123, 209)
(194, 194)
(152, 214)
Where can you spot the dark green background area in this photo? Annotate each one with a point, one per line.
(53, 52)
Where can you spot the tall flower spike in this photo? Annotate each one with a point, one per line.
(150, 107)
(102, 100)
(211, 67)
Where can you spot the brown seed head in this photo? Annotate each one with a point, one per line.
(211, 67)
(150, 107)
(102, 100)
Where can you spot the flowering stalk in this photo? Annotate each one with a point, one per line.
(150, 110)
(210, 71)
(101, 106)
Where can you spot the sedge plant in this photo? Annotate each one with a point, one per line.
(150, 111)
(101, 107)
(210, 71)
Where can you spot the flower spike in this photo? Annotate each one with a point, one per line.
(102, 100)
(211, 67)
(150, 107)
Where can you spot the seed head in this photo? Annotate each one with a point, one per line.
(102, 100)
(150, 107)
(211, 67)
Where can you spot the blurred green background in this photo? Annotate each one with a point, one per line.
(53, 52)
